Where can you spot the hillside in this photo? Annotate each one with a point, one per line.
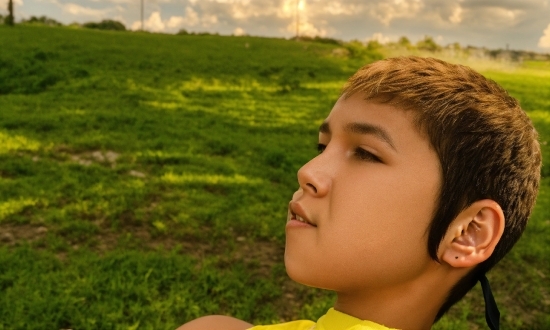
(144, 179)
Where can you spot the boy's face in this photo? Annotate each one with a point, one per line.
(370, 195)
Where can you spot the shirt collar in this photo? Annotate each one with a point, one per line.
(335, 320)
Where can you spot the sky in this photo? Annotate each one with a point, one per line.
(517, 24)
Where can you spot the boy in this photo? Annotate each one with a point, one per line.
(426, 175)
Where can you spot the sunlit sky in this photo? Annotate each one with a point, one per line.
(521, 24)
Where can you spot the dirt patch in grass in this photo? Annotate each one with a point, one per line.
(86, 158)
(96, 156)
(11, 234)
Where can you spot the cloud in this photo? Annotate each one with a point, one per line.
(386, 11)
(509, 4)
(456, 17)
(377, 36)
(191, 16)
(120, 2)
(305, 27)
(239, 32)
(336, 8)
(491, 23)
(498, 14)
(121, 19)
(209, 20)
(544, 41)
(78, 10)
(153, 23)
(175, 22)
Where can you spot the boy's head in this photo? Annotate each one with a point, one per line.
(416, 151)
(486, 144)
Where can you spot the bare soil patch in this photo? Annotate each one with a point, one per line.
(11, 234)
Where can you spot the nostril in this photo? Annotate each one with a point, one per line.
(312, 187)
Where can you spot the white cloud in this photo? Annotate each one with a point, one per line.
(239, 31)
(153, 23)
(120, 2)
(209, 20)
(456, 17)
(490, 23)
(191, 17)
(136, 26)
(175, 22)
(386, 11)
(287, 9)
(380, 38)
(306, 29)
(120, 19)
(240, 2)
(544, 41)
(495, 17)
(78, 10)
(337, 8)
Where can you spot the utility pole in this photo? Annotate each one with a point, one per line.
(141, 15)
(298, 20)
(10, 20)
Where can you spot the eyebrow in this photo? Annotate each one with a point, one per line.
(362, 128)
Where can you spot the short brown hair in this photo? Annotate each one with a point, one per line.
(486, 144)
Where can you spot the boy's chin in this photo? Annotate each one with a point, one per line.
(294, 271)
(302, 274)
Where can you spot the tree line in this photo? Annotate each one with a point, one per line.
(105, 24)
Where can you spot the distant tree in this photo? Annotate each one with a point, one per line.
(106, 24)
(429, 44)
(404, 42)
(42, 20)
(10, 18)
(355, 48)
(456, 46)
(373, 45)
(326, 40)
(206, 33)
(182, 32)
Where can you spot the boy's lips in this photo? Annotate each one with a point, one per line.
(298, 213)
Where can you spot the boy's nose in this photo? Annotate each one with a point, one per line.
(313, 179)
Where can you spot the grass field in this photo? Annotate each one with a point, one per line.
(144, 180)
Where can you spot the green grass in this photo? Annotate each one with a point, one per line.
(144, 180)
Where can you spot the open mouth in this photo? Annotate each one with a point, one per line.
(296, 216)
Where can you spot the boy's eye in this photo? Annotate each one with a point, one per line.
(321, 147)
(363, 154)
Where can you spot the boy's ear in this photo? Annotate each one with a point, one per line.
(473, 235)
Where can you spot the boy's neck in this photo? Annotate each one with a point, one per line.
(412, 305)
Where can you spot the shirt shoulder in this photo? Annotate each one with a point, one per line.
(294, 325)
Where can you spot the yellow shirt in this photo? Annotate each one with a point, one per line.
(332, 320)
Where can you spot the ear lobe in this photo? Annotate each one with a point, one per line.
(473, 235)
